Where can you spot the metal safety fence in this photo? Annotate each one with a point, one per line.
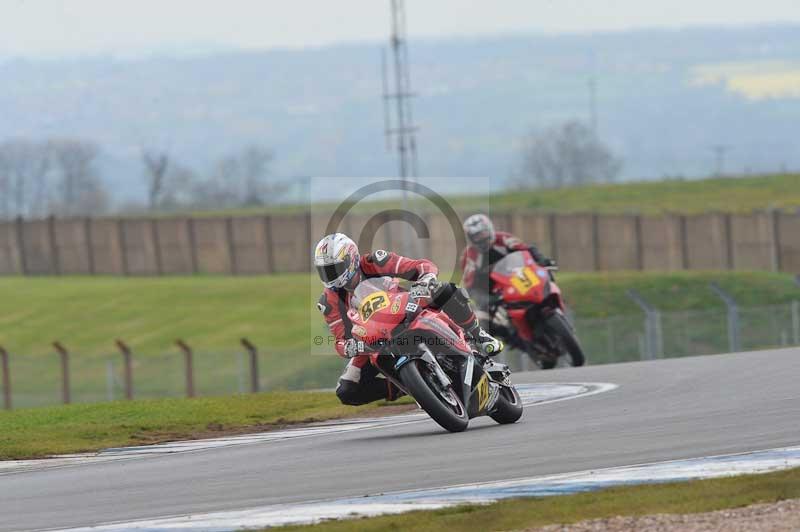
(67, 376)
(654, 334)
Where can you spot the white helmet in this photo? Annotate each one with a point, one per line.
(337, 260)
(480, 231)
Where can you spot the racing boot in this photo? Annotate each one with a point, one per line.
(488, 344)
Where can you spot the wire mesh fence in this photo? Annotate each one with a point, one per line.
(39, 380)
(681, 333)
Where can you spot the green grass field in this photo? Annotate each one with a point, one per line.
(724, 194)
(277, 313)
(674, 498)
(38, 432)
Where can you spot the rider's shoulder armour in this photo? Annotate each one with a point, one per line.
(379, 257)
(323, 304)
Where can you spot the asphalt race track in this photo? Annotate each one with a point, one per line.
(666, 409)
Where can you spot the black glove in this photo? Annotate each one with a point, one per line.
(549, 263)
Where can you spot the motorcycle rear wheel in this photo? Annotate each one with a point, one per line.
(558, 325)
(444, 407)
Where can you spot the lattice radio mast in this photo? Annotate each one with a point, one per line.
(403, 131)
(401, 134)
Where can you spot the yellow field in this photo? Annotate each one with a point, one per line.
(757, 80)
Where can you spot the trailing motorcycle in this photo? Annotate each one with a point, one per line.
(526, 310)
(422, 352)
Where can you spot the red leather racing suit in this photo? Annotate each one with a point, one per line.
(359, 383)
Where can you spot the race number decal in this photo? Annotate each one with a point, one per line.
(483, 392)
(373, 303)
(525, 280)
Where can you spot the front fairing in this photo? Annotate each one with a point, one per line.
(377, 306)
(518, 279)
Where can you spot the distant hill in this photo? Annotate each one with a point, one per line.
(664, 98)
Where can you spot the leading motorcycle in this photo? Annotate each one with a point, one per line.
(423, 353)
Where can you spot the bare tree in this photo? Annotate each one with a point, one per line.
(568, 154)
(241, 179)
(177, 191)
(221, 188)
(24, 166)
(156, 166)
(254, 164)
(79, 190)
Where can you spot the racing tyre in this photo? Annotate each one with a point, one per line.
(559, 326)
(508, 408)
(443, 405)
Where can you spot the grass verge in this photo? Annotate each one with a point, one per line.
(40, 432)
(674, 498)
(682, 196)
(278, 313)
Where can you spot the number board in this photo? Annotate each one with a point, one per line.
(373, 303)
(525, 280)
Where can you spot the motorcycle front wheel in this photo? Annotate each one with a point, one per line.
(508, 408)
(443, 405)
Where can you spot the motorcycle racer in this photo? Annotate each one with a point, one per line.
(341, 268)
(486, 247)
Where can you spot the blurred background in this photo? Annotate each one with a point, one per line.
(166, 168)
(213, 94)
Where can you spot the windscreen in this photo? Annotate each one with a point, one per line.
(510, 263)
(368, 287)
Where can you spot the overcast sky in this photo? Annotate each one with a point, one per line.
(36, 28)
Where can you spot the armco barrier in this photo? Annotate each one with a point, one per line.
(275, 243)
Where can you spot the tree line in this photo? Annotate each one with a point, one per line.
(60, 177)
(56, 176)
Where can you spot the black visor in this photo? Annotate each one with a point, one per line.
(483, 240)
(331, 272)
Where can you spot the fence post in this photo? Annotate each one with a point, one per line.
(268, 244)
(6, 379)
(192, 236)
(595, 242)
(553, 235)
(87, 235)
(796, 322)
(310, 238)
(123, 245)
(727, 226)
(653, 339)
(155, 237)
(127, 368)
(110, 380)
(253, 352)
(639, 243)
(230, 236)
(775, 223)
(682, 229)
(64, 354)
(187, 357)
(733, 317)
(55, 261)
(20, 234)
